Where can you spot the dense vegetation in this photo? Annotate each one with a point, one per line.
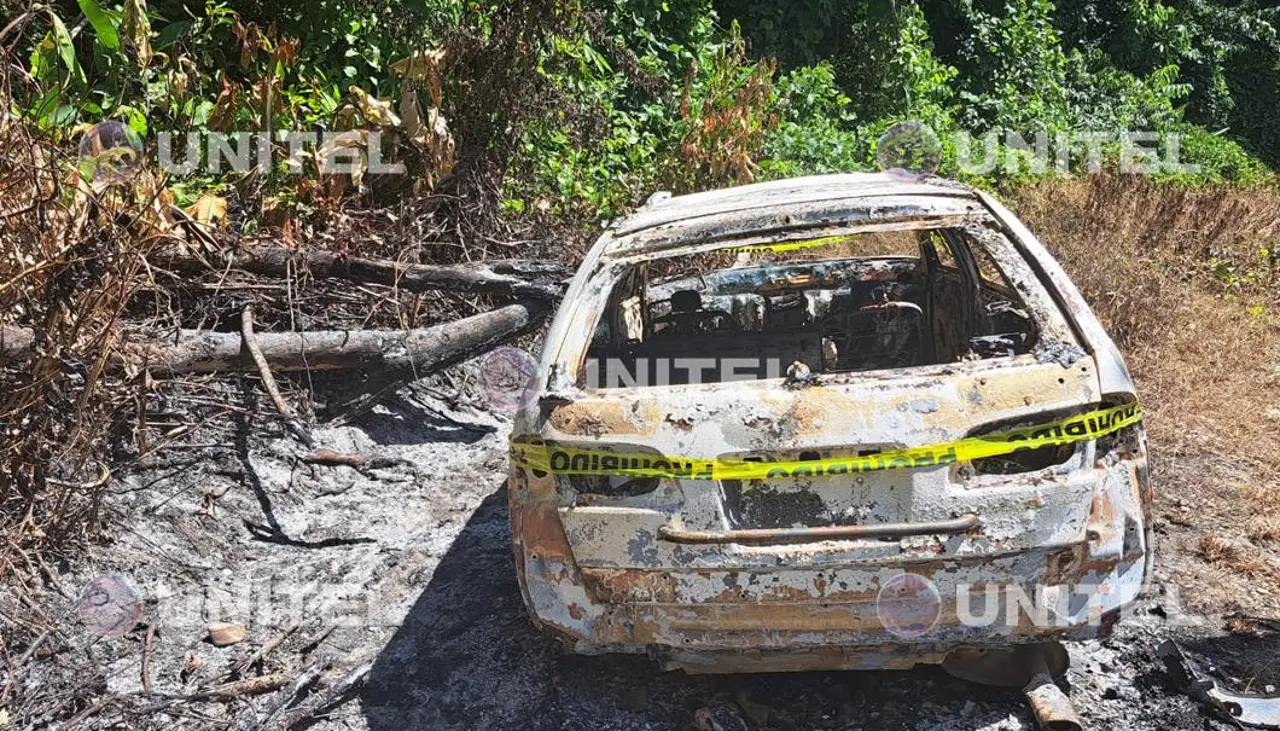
(584, 106)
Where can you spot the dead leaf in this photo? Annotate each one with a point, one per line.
(222, 634)
(136, 28)
(431, 134)
(178, 81)
(410, 111)
(276, 213)
(208, 209)
(418, 65)
(346, 152)
(251, 40)
(223, 117)
(439, 144)
(423, 66)
(269, 98)
(346, 117)
(286, 52)
(192, 665)
(375, 110)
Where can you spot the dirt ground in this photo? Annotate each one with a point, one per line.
(408, 566)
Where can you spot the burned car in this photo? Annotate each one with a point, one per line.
(837, 422)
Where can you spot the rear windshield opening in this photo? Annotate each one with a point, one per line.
(851, 303)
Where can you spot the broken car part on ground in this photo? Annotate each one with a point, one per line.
(1254, 711)
(810, 321)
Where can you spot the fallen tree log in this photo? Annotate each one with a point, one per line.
(399, 354)
(514, 277)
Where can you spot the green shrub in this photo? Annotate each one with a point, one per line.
(816, 130)
(1219, 159)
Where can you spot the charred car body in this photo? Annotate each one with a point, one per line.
(811, 321)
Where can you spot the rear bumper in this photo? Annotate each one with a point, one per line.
(848, 629)
(706, 617)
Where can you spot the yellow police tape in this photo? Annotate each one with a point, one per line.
(785, 246)
(562, 460)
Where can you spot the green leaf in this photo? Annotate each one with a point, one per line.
(201, 115)
(62, 116)
(171, 33)
(101, 23)
(66, 49)
(46, 105)
(136, 120)
(43, 58)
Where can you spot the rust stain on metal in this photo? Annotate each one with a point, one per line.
(636, 418)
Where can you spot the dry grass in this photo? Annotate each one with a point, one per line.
(1233, 556)
(1182, 281)
(1260, 528)
(1265, 499)
(70, 258)
(1264, 524)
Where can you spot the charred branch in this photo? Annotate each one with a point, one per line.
(402, 354)
(513, 278)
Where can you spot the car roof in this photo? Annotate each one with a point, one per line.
(666, 211)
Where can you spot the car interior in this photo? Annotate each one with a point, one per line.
(886, 300)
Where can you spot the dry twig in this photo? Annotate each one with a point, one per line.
(361, 462)
(513, 278)
(147, 647)
(248, 686)
(410, 354)
(267, 648)
(325, 698)
(268, 380)
(277, 707)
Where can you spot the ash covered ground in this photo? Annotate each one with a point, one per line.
(408, 566)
